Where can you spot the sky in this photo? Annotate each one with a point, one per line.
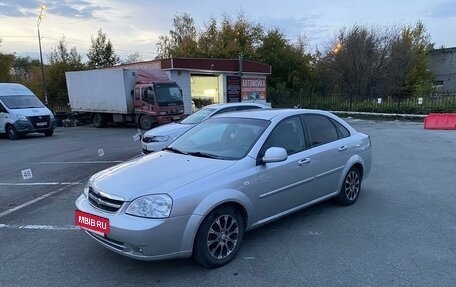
(135, 25)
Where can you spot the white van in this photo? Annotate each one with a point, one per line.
(21, 112)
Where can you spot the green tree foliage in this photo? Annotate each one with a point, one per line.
(292, 72)
(61, 60)
(181, 41)
(6, 61)
(101, 53)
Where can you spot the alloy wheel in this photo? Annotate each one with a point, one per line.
(223, 236)
(352, 185)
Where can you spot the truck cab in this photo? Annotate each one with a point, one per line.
(157, 103)
(21, 112)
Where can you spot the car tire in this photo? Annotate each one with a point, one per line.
(49, 133)
(219, 237)
(146, 122)
(351, 187)
(12, 133)
(99, 120)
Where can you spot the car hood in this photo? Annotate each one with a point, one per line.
(30, 112)
(168, 129)
(161, 172)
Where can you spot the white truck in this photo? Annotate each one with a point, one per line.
(142, 96)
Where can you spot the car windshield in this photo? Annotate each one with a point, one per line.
(22, 102)
(221, 138)
(198, 117)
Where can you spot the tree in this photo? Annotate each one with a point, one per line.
(133, 58)
(181, 41)
(101, 53)
(292, 71)
(61, 60)
(356, 61)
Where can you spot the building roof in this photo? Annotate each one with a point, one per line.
(204, 65)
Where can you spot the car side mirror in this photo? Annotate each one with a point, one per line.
(274, 154)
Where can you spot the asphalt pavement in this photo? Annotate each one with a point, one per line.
(401, 232)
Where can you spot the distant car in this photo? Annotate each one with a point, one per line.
(159, 137)
(227, 175)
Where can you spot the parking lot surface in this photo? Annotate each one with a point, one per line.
(401, 232)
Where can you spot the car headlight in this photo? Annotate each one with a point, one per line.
(52, 116)
(160, 138)
(22, 117)
(151, 206)
(86, 190)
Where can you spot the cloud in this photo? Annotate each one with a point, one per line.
(19, 8)
(78, 9)
(444, 10)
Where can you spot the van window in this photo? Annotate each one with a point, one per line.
(22, 102)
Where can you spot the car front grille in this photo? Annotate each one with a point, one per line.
(102, 202)
(40, 121)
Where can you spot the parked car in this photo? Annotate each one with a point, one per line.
(227, 175)
(159, 137)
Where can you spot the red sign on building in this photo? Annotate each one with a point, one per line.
(253, 89)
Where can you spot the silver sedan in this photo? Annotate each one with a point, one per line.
(227, 175)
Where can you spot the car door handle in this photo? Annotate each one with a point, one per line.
(304, 161)
(342, 148)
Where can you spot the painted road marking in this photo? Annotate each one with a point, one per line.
(79, 162)
(39, 227)
(31, 201)
(37, 183)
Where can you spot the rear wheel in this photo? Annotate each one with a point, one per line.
(219, 237)
(12, 133)
(146, 122)
(49, 133)
(351, 187)
(99, 120)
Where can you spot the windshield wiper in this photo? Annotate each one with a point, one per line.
(203, 154)
(175, 150)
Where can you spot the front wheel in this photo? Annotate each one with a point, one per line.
(219, 237)
(351, 187)
(49, 133)
(146, 122)
(12, 133)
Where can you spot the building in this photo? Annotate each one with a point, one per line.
(207, 81)
(442, 64)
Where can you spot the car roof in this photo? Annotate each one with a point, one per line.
(244, 104)
(269, 114)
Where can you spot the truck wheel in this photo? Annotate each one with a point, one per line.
(99, 120)
(146, 122)
(49, 133)
(12, 133)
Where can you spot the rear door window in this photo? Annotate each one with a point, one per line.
(320, 129)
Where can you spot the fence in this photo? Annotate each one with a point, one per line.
(442, 102)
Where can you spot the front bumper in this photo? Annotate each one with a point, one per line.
(144, 238)
(154, 146)
(25, 127)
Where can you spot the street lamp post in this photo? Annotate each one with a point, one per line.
(38, 22)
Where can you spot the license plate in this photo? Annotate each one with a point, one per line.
(97, 224)
(40, 124)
